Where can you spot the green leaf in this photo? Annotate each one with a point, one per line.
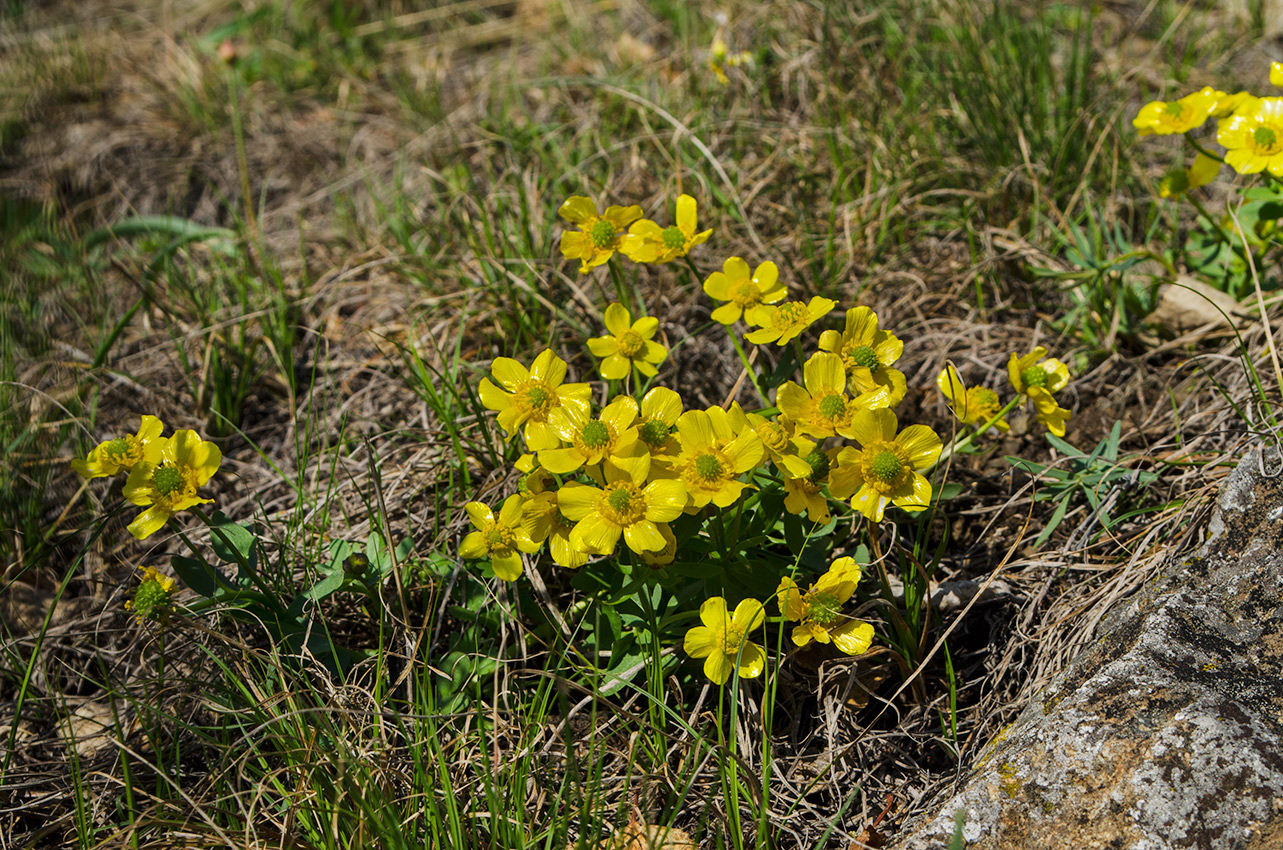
(197, 575)
(1054, 521)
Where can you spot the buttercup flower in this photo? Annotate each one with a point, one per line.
(1177, 116)
(713, 456)
(543, 520)
(151, 597)
(534, 478)
(805, 493)
(599, 236)
(743, 292)
(660, 409)
(502, 538)
(630, 346)
(867, 353)
(665, 556)
(611, 436)
(529, 395)
(186, 463)
(823, 409)
(820, 609)
(1178, 181)
(780, 324)
(719, 59)
(626, 506)
(783, 447)
(1228, 104)
(723, 641)
(120, 454)
(1037, 379)
(1253, 138)
(972, 405)
(665, 244)
(886, 470)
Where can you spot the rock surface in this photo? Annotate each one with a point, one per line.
(1168, 733)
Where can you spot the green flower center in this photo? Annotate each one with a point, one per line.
(819, 463)
(167, 481)
(824, 609)
(603, 233)
(537, 396)
(733, 641)
(1264, 137)
(654, 432)
(708, 466)
(886, 467)
(1174, 109)
(118, 447)
(984, 397)
(499, 537)
(832, 406)
(747, 295)
(620, 500)
(864, 355)
(787, 315)
(631, 344)
(673, 237)
(151, 600)
(1034, 376)
(595, 434)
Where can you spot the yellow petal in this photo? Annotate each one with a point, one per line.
(578, 210)
(617, 319)
(871, 426)
(473, 546)
(712, 613)
(853, 638)
(479, 513)
(922, 444)
(508, 372)
(507, 567)
(148, 522)
(686, 215)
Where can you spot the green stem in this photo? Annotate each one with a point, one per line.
(966, 439)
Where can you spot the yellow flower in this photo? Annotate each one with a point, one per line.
(151, 597)
(626, 506)
(1253, 138)
(1177, 116)
(543, 520)
(534, 478)
(887, 467)
(972, 405)
(529, 395)
(822, 409)
(665, 244)
(1276, 74)
(665, 556)
(630, 346)
(660, 409)
(780, 324)
(819, 609)
(611, 437)
(713, 456)
(186, 463)
(743, 292)
(806, 492)
(599, 236)
(867, 353)
(1037, 379)
(783, 447)
(723, 640)
(120, 454)
(502, 538)
(1178, 181)
(1228, 104)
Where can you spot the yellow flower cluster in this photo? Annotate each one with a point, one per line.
(1250, 128)
(596, 481)
(164, 474)
(1034, 377)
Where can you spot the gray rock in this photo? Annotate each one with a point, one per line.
(1168, 732)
